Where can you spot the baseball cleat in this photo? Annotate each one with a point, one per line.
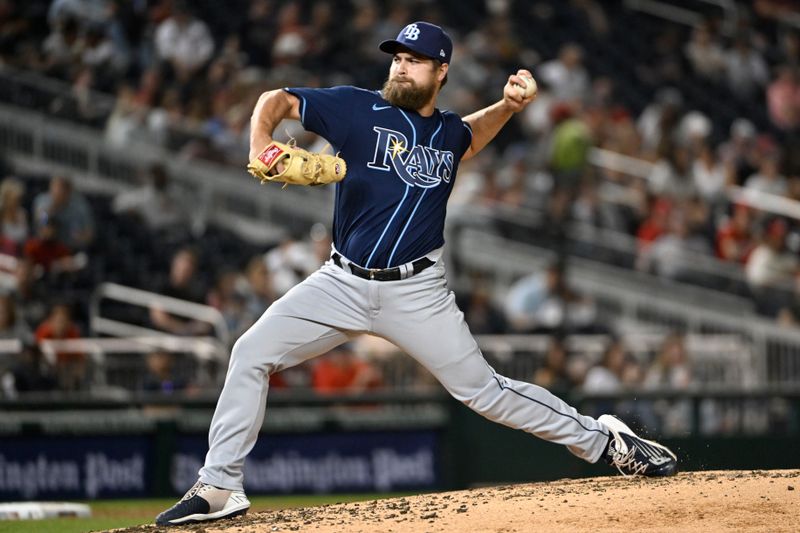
(634, 455)
(203, 503)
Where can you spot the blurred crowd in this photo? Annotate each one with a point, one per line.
(708, 108)
(41, 264)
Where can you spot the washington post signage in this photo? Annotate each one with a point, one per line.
(39, 468)
(325, 462)
(124, 466)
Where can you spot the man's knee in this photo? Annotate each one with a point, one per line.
(480, 397)
(254, 351)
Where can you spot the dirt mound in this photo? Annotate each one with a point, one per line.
(692, 501)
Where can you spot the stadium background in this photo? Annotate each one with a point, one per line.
(630, 242)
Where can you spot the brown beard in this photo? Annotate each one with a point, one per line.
(407, 95)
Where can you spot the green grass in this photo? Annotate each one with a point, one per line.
(112, 514)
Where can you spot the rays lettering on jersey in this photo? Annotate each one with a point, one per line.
(422, 166)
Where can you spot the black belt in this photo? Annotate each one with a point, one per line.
(383, 274)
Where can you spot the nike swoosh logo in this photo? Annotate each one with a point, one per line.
(376, 107)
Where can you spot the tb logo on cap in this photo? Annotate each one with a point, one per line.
(411, 32)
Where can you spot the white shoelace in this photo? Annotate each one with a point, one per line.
(194, 490)
(627, 461)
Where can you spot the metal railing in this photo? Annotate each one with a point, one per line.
(505, 260)
(218, 194)
(117, 365)
(33, 139)
(634, 307)
(725, 360)
(137, 297)
(690, 17)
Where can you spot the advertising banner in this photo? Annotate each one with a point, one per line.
(325, 462)
(46, 467)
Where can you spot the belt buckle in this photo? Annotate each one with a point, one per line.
(372, 273)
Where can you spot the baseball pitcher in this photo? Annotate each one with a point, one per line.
(394, 161)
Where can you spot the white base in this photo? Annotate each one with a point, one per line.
(41, 510)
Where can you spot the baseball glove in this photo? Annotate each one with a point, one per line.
(300, 167)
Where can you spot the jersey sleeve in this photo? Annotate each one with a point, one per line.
(462, 131)
(324, 111)
(467, 140)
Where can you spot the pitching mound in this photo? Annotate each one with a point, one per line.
(692, 501)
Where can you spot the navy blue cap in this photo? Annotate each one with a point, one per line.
(423, 38)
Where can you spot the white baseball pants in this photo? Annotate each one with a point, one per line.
(419, 315)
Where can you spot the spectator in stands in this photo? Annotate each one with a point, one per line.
(13, 217)
(735, 240)
(61, 48)
(71, 210)
(616, 372)
(507, 186)
(571, 142)
(290, 263)
(745, 69)
(783, 99)
(149, 88)
(293, 38)
(553, 374)
(566, 75)
(258, 292)
(479, 310)
(740, 153)
(126, 122)
(342, 371)
(165, 119)
(182, 283)
(29, 372)
(160, 374)
(183, 42)
(705, 54)
(227, 297)
(158, 205)
(607, 375)
(29, 296)
(527, 296)
(768, 179)
(321, 242)
(771, 270)
(673, 255)
(70, 366)
(670, 176)
(98, 54)
(543, 302)
(694, 130)
(659, 120)
(11, 326)
(588, 208)
(201, 147)
(46, 251)
(655, 224)
(709, 175)
(670, 370)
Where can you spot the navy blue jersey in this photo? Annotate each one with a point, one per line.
(401, 166)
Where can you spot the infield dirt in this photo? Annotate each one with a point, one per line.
(691, 501)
